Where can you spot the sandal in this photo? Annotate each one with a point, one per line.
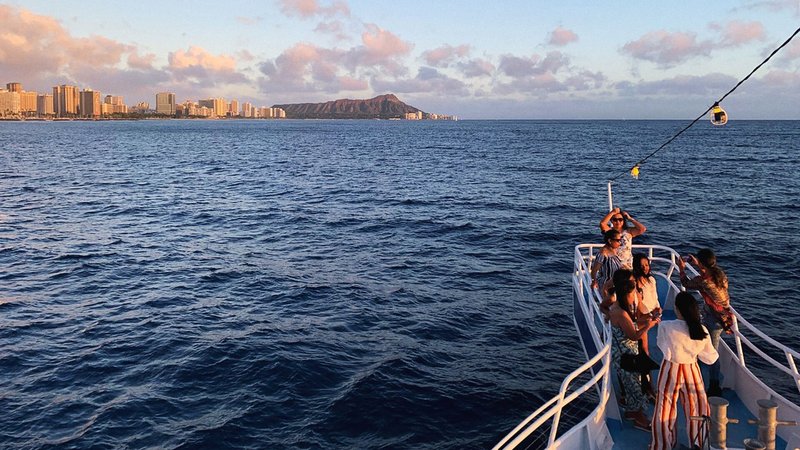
(639, 420)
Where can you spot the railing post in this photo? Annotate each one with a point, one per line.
(793, 366)
(738, 340)
(556, 417)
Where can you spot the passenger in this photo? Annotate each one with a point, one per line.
(607, 261)
(645, 289)
(645, 282)
(626, 335)
(618, 220)
(713, 287)
(620, 276)
(640, 317)
(682, 341)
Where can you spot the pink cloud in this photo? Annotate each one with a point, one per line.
(204, 68)
(38, 50)
(667, 49)
(141, 62)
(198, 57)
(310, 8)
(562, 36)
(444, 55)
(737, 33)
(381, 45)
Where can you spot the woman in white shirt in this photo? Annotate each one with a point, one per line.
(682, 341)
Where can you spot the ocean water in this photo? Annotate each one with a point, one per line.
(344, 284)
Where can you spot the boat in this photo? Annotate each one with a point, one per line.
(584, 414)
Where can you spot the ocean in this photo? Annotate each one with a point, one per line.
(344, 284)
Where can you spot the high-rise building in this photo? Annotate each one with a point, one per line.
(217, 106)
(90, 104)
(233, 110)
(44, 105)
(27, 103)
(247, 109)
(66, 100)
(9, 103)
(14, 87)
(165, 103)
(114, 104)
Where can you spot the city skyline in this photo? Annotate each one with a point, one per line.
(524, 60)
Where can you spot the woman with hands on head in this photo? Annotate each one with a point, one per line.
(616, 219)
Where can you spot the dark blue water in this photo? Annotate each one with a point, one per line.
(343, 284)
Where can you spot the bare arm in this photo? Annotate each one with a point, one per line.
(624, 322)
(688, 283)
(604, 226)
(637, 229)
(595, 268)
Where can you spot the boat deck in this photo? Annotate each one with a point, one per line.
(626, 437)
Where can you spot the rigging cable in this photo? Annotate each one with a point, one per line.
(641, 161)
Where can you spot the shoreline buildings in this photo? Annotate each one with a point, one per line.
(69, 102)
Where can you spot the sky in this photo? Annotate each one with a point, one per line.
(475, 59)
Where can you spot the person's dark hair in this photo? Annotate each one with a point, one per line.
(608, 235)
(687, 306)
(623, 285)
(638, 272)
(708, 259)
(621, 276)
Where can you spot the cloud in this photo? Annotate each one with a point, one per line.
(444, 55)
(381, 45)
(792, 51)
(477, 68)
(709, 85)
(141, 62)
(334, 28)
(736, 33)
(307, 68)
(203, 67)
(428, 81)
(774, 6)
(517, 66)
(523, 67)
(562, 36)
(40, 52)
(585, 80)
(667, 49)
(310, 8)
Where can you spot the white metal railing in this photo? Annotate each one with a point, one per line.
(601, 333)
(790, 368)
(663, 261)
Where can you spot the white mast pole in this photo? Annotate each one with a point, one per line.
(610, 198)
